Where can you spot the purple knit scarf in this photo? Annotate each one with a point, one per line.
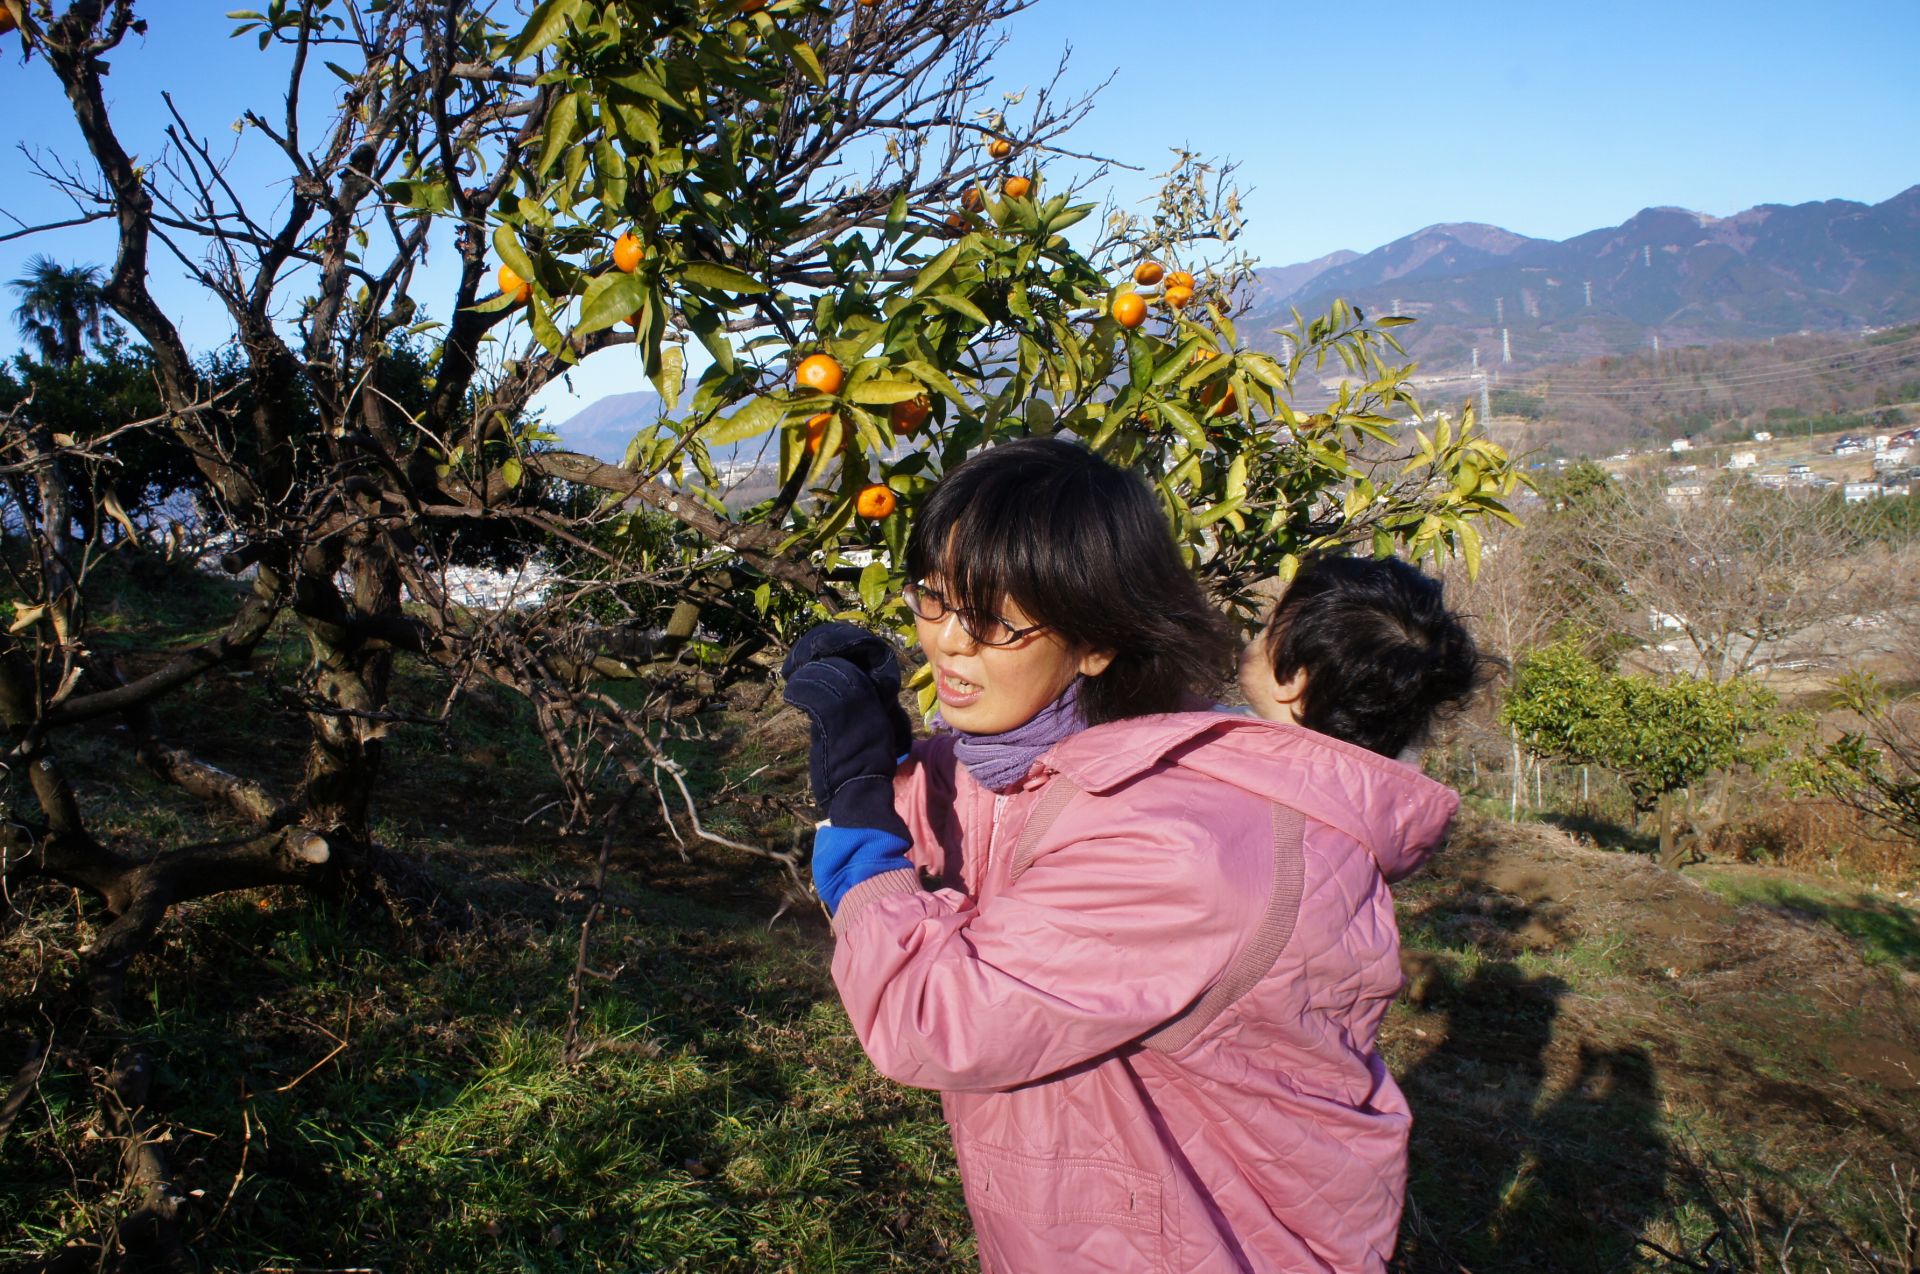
(998, 761)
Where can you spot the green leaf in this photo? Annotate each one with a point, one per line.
(1071, 217)
(610, 298)
(507, 244)
(932, 272)
(809, 63)
(671, 377)
(720, 278)
(416, 192)
(563, 128)
(961, 305)
(885, 392)
(512, 471)
(546, 333)
(873, 585)
(493, 305)
(756, 418)
(1184, 424)
(547, 24)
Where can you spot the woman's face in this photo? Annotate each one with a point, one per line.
(992, 689)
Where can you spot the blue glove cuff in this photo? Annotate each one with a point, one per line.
(845, 856)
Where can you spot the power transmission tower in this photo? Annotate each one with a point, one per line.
(1506, 346)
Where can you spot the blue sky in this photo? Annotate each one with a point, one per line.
(1353, 125)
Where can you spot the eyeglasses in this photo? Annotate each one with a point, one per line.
(989, 630)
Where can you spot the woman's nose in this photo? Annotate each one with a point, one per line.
(952, 637)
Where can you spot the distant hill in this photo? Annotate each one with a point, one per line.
(604, 428)
(1273, 285)
(1683, 277)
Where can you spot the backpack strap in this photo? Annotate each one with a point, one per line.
(1256, 959)
(1052, 801)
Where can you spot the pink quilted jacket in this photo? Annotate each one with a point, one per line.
(1149, 991)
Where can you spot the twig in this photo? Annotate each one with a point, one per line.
(246, 1147)
(339, 1046)
(570, 1051)
(25, 1081)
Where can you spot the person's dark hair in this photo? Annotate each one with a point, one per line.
(1083, 548)
(1385, 659)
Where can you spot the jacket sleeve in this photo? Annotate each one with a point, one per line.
(1110, 933)
(923, 796)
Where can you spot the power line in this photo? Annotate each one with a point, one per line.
(1589, 386)
(1820, 360)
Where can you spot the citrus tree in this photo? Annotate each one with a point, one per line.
(870, 340)
(1661, 735)
(803, 220)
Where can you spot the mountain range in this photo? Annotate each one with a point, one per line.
(1665, 274)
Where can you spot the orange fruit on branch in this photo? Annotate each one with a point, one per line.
(910, 415)
(627, 251)
(1016, 187)
(1178, 296)
(819, 373)
(1226, 402)
(1000, 148)
(6, 20)
(1180, 279)
(514, 286)
(1148, 273)
(817, 429)
(1129, 309)
(973, 199)
(875, 501)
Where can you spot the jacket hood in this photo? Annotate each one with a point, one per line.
(1397, 812)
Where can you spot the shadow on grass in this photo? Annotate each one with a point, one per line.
(1886, 930)
(1603, 832)
(1524, 1155)
(1502, 1180)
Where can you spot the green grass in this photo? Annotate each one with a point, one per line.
(724, 1119)
(1886, 928)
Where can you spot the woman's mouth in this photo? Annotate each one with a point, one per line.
(955, 692)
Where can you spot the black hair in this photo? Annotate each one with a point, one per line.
(1384, 657)
(1083, 548)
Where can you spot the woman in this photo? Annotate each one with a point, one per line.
(1150, 976)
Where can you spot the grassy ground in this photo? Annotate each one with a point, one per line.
(1600, 1054)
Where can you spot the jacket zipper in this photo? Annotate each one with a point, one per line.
(993, 835)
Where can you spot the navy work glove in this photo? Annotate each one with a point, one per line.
(856, 747)
(847, 682)
(864, 651)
